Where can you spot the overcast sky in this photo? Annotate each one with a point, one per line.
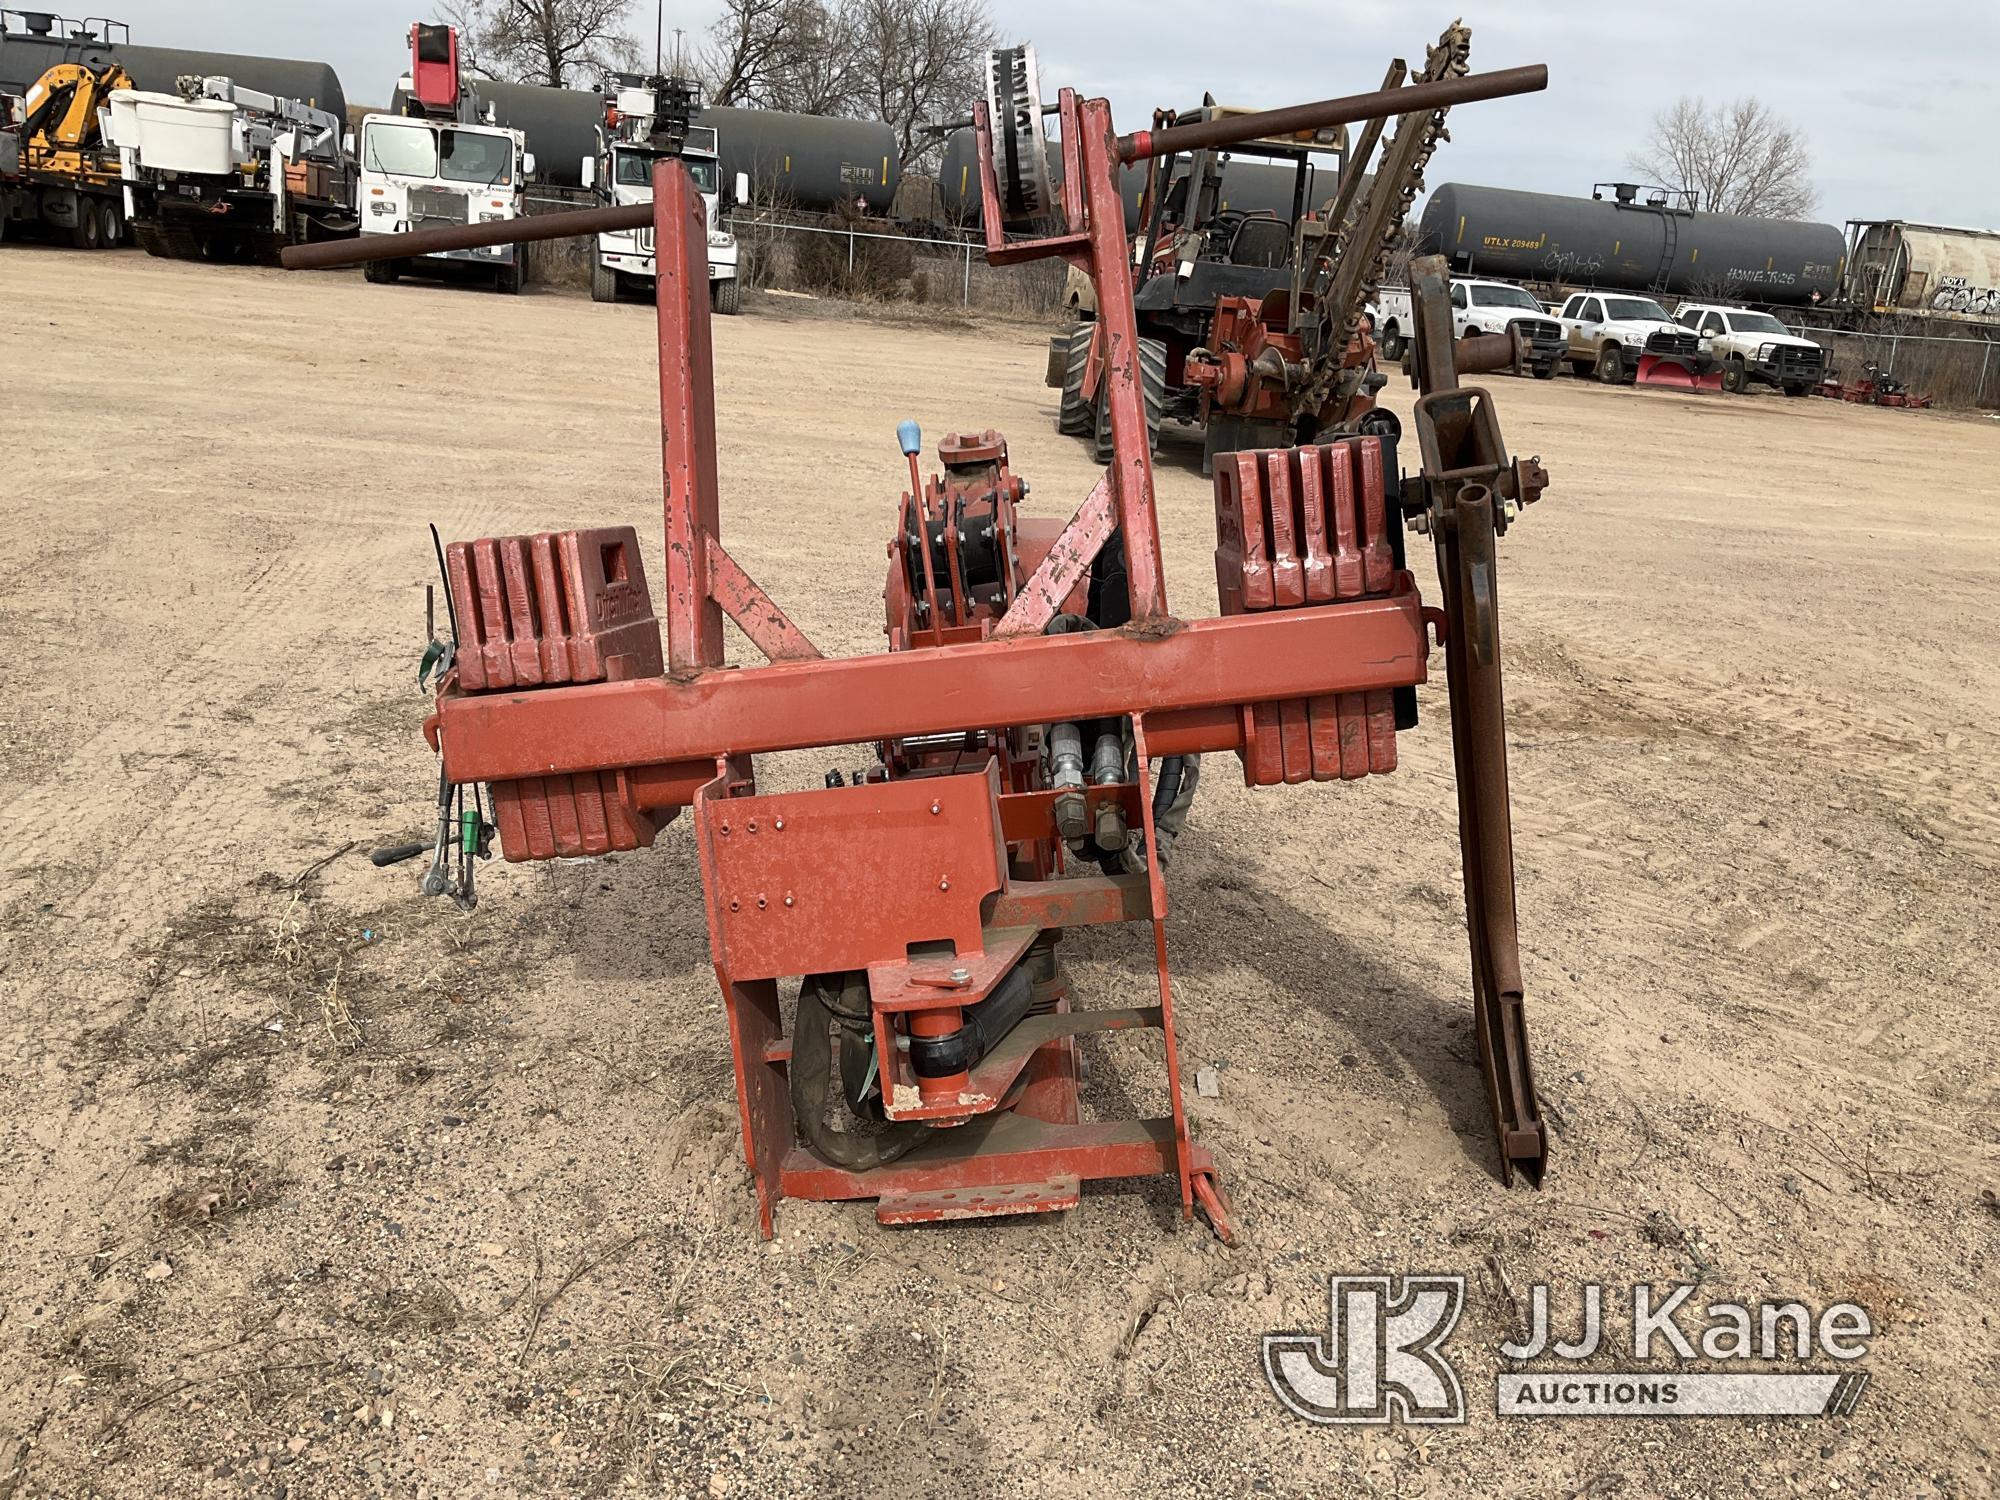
(1889, 96)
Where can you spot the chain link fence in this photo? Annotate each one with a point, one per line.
(1955, 372)
(869, 261)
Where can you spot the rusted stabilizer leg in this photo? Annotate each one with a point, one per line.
(1465, 545)
(1214, 1203)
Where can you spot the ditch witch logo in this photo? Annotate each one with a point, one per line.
(1382, 1357)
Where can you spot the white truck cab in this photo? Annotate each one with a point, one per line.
(1754, 346)
(1610, 333)
(443, 158)
(646, 119)
(417, 173)
(1495, 307)
(1477, 306)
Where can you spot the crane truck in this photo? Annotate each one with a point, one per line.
(57, 170)
(646, 118)
(442, 160)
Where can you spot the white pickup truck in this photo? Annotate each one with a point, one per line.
(1754, 346)
(1476, 307)
(1609, 333)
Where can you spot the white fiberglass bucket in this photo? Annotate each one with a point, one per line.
(185, 135)
(125, 117)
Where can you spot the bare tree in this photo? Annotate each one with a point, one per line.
(904, 62)
(753, 43)
(917, 61)
(561, 43)
(817, 74)
(1738, 158)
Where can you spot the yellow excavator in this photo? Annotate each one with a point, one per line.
(56, 168)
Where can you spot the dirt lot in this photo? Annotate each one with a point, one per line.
(313, 1187)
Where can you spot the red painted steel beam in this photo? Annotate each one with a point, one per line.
(1066, 564)
(1278, 654)
(1132, 447)
(687, 417)
(755, 612)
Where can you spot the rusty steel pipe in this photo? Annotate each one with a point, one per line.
(465, 236)
(1352, 110)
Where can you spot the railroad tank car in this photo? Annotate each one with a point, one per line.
(25, 56)
(808, 162)
(1631, 245)
(1250, 186)
(1927, 269)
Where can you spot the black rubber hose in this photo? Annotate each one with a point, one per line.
(1167, 787)
(1000, 1012)
(812, 1081)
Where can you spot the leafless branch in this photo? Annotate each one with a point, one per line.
(1738, 158)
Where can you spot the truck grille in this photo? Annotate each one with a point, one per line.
(1668, 342)
(436, 206)
(1539, 330)
(1794, 363)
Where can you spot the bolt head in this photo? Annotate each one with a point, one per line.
(945, 884)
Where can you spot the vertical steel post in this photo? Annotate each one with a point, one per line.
(1111, 265)
(1985, 358)
(687, 417)
(965, 290)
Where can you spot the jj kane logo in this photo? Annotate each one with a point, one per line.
(1382, 1358)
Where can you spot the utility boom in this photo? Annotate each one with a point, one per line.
(647, 118)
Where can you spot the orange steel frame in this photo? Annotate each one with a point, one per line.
(854, 878)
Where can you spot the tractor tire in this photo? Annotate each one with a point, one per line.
(378, 272)
(1546, 371)
(1392, 345)
(88, 233)
(726, 297)
(603, 282)
(1074, 416)
(1611, 365)
(1735, 376)
(1152, 385)
(1153, 382)
(150, 240)
(507, 279)
(1580, 369)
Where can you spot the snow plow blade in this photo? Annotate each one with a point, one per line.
(1670, 370)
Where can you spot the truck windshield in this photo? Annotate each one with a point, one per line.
(1503, 296)
(1643, 308)
(1749, 322)
(472, 156)
(419, 150)
(635, 169)
(404, 150)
